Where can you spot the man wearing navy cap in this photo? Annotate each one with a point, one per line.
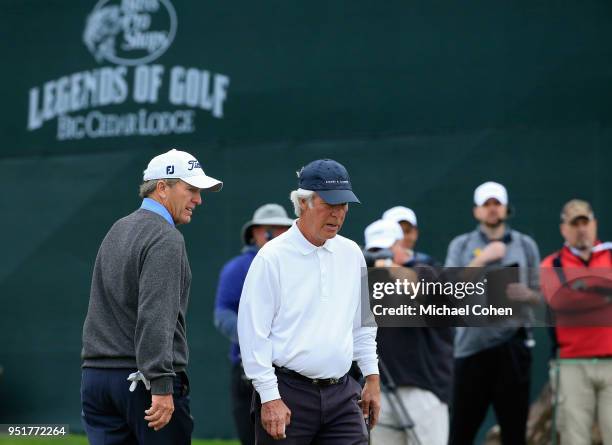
(299, 323)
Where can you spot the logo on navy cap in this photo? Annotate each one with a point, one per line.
(329, 179)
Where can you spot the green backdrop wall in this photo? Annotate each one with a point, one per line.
(422, 101)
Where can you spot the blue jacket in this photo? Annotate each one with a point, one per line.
(229, 289)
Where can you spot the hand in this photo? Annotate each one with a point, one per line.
(160, 413)
(370, 399)
(275, 416)
(519, 292)
(494, 251)
(384, 262)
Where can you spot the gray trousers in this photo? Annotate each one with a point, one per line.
(585, 396)
(320, 415)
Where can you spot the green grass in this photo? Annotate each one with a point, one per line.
(74, 439)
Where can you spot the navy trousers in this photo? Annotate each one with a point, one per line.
(242, 392)
(111, 414)
(320, 415)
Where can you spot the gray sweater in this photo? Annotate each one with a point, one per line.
(138, 301)
(521, 250)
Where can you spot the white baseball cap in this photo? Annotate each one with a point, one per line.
(382, 234)
(400, 213)
(490, 190)
(176, 164)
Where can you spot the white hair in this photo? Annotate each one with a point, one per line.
(301, 195)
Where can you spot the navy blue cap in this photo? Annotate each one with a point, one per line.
(329, 179)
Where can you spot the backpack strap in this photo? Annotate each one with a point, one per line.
(559, 269)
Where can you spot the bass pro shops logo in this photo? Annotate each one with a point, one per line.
(130, 32)
(146, 97)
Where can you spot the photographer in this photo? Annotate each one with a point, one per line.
(418, 359)
(408, 221)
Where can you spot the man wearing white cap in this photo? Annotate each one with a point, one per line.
(408, 221)
(418, 359)
(492, 364)
(135, 325)
(383, 244)
(269, 221)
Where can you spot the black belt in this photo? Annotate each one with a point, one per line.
(317, 382)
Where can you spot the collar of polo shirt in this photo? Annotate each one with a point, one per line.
(303, 245)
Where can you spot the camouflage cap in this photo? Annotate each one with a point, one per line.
(576, 208)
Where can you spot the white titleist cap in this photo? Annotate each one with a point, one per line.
(176, 164)
(400, 213)
(490, 190)
(382, 234)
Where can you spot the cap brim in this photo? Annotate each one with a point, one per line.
(246, 228)
(334, 197)
(276, 221)
(481, 201)
(204, 182)
(245, 232)
(578, 215)
(381, 243)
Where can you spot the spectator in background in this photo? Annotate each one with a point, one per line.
(408, 221)
(269, 221)
(493, 364)
(419, 359)
(585, 351)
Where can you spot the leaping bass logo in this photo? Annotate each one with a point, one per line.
(130, 32)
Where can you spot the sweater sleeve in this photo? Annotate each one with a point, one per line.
(533, 263)
(158, 308)
(229, 288)
(455, 250)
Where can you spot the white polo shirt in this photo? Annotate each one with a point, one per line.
(301, 309)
